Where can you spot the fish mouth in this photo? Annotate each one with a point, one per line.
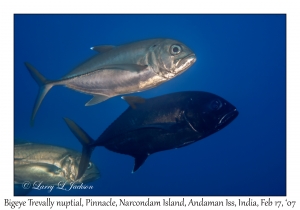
(185, 62)
(227, 118)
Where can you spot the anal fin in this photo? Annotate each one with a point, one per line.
(97, 99)
(138, 162)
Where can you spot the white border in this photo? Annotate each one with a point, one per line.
(8, 8)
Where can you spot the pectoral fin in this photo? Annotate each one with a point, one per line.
(97, 99)
(38, 168)
(49, 168)
(133, 100)
(102, 48)
(139, 160)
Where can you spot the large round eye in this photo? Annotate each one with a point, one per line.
(175, 49)
(216, 104)
(89, 165)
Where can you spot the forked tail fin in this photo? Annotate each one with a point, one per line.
(86, 142)
(44, 86)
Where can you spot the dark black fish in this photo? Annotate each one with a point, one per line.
(157, 124)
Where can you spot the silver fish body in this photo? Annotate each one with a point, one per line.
(49, 164)
(121, 70)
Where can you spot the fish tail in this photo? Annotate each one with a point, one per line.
(86, 142)
(44, 86)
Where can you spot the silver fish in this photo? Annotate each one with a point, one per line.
(121, 70)
(49, 164)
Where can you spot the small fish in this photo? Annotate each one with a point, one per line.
(156, 124)
(121, 70)
(49, 164)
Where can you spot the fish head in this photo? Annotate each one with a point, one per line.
(172, 57)
(70, 165)
(207, 113)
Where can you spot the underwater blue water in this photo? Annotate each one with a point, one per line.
(241, 58)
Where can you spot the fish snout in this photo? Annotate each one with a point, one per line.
(227, 118)
(185, 63)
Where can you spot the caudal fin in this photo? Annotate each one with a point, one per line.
(44, 86)
(86, 141)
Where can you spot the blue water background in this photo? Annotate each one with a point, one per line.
(241, 58)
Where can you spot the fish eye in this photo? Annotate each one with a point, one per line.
(89, 165)
(215, 104)
(175, 49)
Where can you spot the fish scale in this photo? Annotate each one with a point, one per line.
(125, 69)
(48, 163)
(156, 124)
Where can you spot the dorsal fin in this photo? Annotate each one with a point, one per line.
(102, 48)
(133, 100)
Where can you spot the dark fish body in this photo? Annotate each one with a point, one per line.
(158, 124)
(121, 70)
(161, 123)
(49, 164)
